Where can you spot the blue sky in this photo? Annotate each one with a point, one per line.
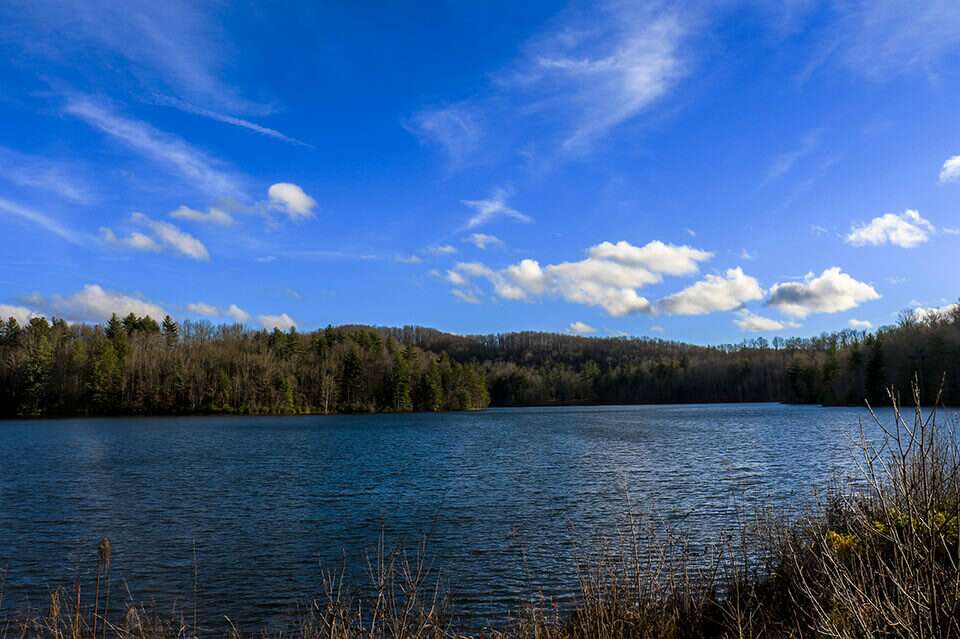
(700, 171)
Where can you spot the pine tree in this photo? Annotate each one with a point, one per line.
(170, 330)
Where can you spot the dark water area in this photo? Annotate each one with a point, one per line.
(259, 507)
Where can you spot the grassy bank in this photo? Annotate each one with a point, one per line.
(875, 559)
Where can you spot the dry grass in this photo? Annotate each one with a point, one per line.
(877, 560)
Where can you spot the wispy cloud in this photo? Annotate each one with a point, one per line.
(228, 119)
(213, 216)
(35, 172)
(43, 221)
(586, 74)
(784, 163)
(600, 76)
(174, 48)
(455, 129)
(878, 38)
(491, 208)
(168, 150)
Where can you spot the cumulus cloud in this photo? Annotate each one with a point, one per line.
(492, 208)
(212, 216)
(950, 171)
(656, 256)
(233, 311)
(713, 293)
(906, 230)
(22, 314)
(292, 200)
(201, 308)
(581, 328)
(922, 314)
(753, 323)
(94, 303)
(609, 277)
(238, 314)
(859, 324)
(830, 292)
(171, 236)
(282, 321)
(482, 240)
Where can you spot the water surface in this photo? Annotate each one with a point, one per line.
(504, 497)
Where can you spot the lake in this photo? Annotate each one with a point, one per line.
(503, 496)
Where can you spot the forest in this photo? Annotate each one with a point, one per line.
(137, 366)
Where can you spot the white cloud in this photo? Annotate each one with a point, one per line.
(593, 282)
(443, 249)
(859, 324)
(40, 172)
(43, 221)
(136, 240)
(455, 129)
(483, 240)
(282, 321)
(906, 230)
(713, 293)
(171, 236)
(468, 297)
(608, 278)
(669, 259)
(228, 119)
(492, 208)
(238, 314)
(928, 313)
(94, 303)
(950, 231)
(212, 216)
(950, 171)
(179, 47)
(830, 292)
(456, 278)
(784, 162)
(408, 259)
(160, 147)
(599, 75)
(22, 314)
(581, 328)
(746, 255)
(753, 323)
(201, 308)
(292, 200)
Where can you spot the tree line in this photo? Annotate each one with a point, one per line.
(135, 366)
